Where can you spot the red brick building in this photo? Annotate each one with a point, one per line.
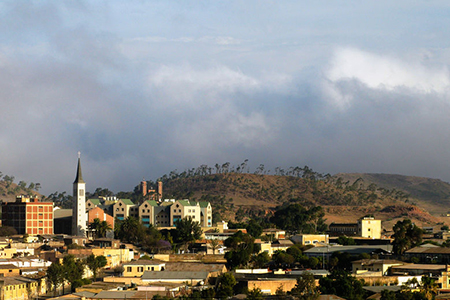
(28, 215)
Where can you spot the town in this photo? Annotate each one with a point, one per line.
(110, 248)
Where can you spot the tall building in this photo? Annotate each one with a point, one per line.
(28, 216)
(79, 218)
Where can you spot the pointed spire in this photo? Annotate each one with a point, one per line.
(79, 178)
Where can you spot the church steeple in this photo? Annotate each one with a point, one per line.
(79, 218)
(79, 178)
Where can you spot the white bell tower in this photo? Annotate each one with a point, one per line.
(79, 219)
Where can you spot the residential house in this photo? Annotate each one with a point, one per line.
(9, 270)
(274, 233)
(137, 268)
(20, 288)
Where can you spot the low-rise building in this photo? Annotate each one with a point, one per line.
(137, 268)
(193, 278)
(374, 265)
(310, 239)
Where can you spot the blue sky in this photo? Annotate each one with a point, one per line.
(145, 87)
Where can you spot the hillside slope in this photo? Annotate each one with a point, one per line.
(241, 195)
(430, 194)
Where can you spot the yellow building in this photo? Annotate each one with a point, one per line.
(374, 265)
(310, 239)
(138, 267)
(114, 256)
(368, 227)
(20, 288)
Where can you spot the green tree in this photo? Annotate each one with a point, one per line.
(73, 270)
(254, 228)
(95, 263)
(260, 260)
(55, 276)
(226, 285)
(295, 218)
(281, 258)
(345, 241)
(187, 231)
(130, 230)
(406, 236)
(429, 287)
(305, 288)
(255, 294)
(342, 284)
(243, 246)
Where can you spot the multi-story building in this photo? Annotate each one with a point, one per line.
(28, 216)
(147, 212)
(181, 209)
(125, 208)
(205, 214)
(369, 227)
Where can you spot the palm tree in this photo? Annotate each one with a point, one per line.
(214, 243)
(100, 227)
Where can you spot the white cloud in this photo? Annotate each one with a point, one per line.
(381, 72)
(184, 84)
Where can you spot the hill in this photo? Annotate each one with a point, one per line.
(236, 196)
(10, 190)
(428, 193)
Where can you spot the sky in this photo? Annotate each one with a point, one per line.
(142, 88)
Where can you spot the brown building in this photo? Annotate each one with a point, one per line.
(98, 213)
(28, 216)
